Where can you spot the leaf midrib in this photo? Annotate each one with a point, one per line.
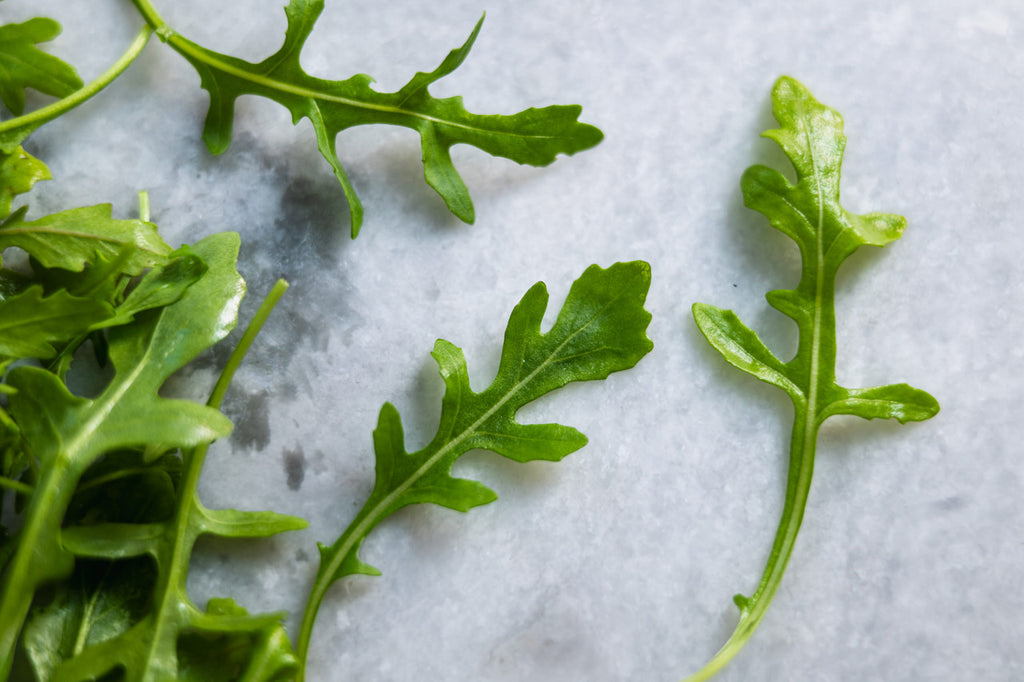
(372, 518)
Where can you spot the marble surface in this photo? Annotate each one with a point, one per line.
(620, 562)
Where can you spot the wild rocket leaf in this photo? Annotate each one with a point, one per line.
(601, 329)
(68, 433)
(809, 212)
(533, 136)
(19, 171)
(72, 239)
(30, 324)
(23, 65)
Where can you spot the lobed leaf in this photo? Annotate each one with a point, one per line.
(533, 136)
(30, 323)
(600, 329)
(23, 65)
(71, 239)
(741, 346)
(809, 212)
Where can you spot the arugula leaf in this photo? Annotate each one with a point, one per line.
(30, 324)
(533, 136)
(66, 434)
(72, 239)
(99, 602)
(19, 171)
(601, 329)
(172, 638)
(23, 65)
(809, 212)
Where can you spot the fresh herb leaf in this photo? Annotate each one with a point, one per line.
(533, 136)
(30, 324)
(601, 329)
(19, 171)
(72, 239)
(809, 212)
(23, 65)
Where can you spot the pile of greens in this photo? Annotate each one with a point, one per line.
(99, 504)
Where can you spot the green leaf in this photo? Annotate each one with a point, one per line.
(23, 65)
(601, 329)
(30, 323)
(71, 239)
(19, 171)
(896, 401)
(809, 212)
(533, 136)
(67, 434)
(173, 639)
(160, 287)
(741, 346)
(101, 601)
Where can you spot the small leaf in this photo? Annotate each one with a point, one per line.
(741, 347)
(896, 401)
(534, 136)
(23, 65)
(71, 239)
(30, 324)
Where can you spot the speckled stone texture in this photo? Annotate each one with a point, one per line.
(618, 564)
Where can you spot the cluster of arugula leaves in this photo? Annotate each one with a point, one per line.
(94, 559)
(99, 509)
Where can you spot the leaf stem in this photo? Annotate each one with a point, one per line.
(16, 486)
(15, 130)
(258, 320)
(753, 609)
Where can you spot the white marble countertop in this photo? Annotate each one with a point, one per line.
(620, 562)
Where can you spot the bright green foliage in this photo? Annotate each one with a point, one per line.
(71, 239)
(23, 65)
(601, 329)
(533, 136)
(811, 135)
(67, 434)
(19, 171)
(30, 324)
(122, 538)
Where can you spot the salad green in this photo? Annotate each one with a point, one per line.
(808, 212)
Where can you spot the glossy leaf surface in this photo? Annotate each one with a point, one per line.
(809, 213)
(67, 433)
(600, 329)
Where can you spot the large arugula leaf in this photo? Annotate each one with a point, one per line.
(533, 136)
(601, 329)
(23, 65)
(809, 212)
(66, 433)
